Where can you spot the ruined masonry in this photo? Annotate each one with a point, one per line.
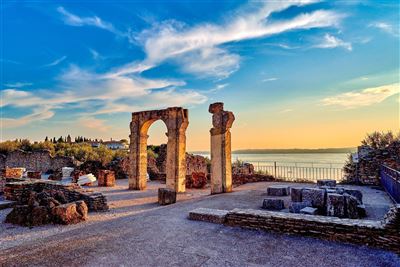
(221, 165)
(176, 119)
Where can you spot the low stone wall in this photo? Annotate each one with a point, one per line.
(20, 192)
(239, 179)
(40, 160)
(382, 234)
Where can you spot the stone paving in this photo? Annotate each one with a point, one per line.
(138, 232)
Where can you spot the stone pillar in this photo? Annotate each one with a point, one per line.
(221, 163)
(137, 157)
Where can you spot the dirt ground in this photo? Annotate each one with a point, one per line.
(138, 232)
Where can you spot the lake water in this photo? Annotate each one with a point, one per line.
(306, 159)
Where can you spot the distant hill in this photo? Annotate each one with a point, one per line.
(296, 150)
(289, 151)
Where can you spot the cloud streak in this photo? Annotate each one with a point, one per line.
(361, 98)
(331, 41)
(56, 62)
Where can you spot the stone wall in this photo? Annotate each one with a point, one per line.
(367, 170)
(382, 234)
(40, 160)
(20, 192)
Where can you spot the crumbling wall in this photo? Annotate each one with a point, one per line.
(21, 190)
(40, 160)
(367, 170)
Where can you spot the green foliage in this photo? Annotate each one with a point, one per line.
(379, 140)
(80, 151)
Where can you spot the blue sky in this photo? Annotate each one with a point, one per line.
(295, 73)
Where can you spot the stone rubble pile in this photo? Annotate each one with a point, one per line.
(326, 199)
(20, 192)
(48, 206)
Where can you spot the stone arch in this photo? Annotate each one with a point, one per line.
(176, 120)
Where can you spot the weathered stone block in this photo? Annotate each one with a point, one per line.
(34, 175)
(309, 211)
(106, 178)
(355, 193)
(70, 213)
(351, 206)
(326, 182)
(208, 215)
(295, 207)
(336, 205)
(273, 204)
(278, 190)
(295, 194)
(314, 195)
(166, 196)
(362, 212)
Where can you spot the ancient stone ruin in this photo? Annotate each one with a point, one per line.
(221, 165)
(176, 120)
(41, 202)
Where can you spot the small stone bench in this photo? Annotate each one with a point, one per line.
(208, 215)
(278, 190)
(273, 204)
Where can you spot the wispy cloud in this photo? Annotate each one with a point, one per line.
(286, 110)
(364, 97)
(38, 114)
(197, 48)
(269, 79)
(56, 62)
(95, 55)
(75, 20)
(386, 27)
(77, 85)
(17, 84)
(331, 41)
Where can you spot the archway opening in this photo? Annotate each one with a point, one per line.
(157, 151)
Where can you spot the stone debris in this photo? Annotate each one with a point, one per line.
(295, 207)
(273, 204)
(14, 172)
(355, 193)
(309, 211)
(166, 196)
(106, 178)
(314, 195)
(278, 190)
(66, 172)
(87, 179)
(208, 215)
(34, 174)
(21, 193)
(326, 182)
(48, 207)
(336, 204)
(296, 194)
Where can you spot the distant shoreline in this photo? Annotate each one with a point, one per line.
(288, 151)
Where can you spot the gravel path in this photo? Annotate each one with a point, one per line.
(138, 232)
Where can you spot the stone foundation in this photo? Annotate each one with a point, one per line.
(383, 234)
